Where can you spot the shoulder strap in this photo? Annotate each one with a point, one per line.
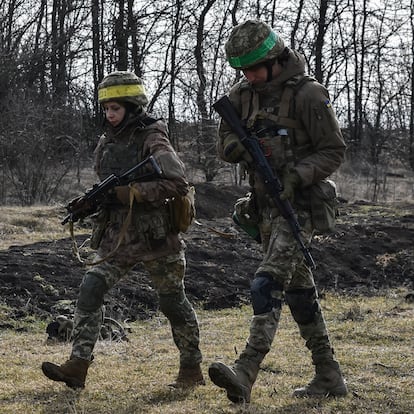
(148, 120)
(286, 114)
(285, 117)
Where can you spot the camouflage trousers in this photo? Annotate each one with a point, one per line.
(167, 276)
(282, 256)
(294, 280)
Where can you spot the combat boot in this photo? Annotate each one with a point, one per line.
(328, 381)
(188, 377)
(72, 372)
(238, 379)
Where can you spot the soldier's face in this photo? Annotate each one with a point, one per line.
(114, 112)
(258, 74)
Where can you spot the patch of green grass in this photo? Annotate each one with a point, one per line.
(375, 352)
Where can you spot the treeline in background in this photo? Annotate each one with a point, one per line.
(53, 53)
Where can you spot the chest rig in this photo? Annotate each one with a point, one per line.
(271, 119)
(118, 155)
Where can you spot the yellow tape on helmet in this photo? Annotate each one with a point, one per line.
(120, 91)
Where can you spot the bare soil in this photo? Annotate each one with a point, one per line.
(371, 250)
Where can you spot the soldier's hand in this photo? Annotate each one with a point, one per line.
(291, 181)
(234, 151)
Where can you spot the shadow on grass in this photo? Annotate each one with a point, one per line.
(58, 402)
(166, 395)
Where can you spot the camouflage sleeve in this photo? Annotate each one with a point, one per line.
(98, 154)
(224, 132)
(174, 181)
(314, 108)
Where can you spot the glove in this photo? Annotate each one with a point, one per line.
(234, 151)
(291, 181)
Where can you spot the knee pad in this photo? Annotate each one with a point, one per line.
(263, 295)
(92, 291)
(303, 305)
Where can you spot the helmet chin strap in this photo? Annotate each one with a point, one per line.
(269, 66)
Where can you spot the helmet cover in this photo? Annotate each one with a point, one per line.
(251, 43)
(122, 86)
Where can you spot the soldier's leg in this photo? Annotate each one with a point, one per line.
(167, 275)
(239, 378)
(302, 298)
(87, 323)
(89, 312)
(266, 297)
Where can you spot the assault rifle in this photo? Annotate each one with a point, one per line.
(271, 181)
(88, 204)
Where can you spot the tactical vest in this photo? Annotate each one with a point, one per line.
(282, 136)
(117, 157)
(150, 221)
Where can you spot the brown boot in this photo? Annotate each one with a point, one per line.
(72, 372)
(238, 379)
(328, 381)
(188, 377)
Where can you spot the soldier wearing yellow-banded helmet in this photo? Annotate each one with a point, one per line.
(291, 116)
(135, 225)
(122, 86)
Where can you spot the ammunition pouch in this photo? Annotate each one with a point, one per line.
(324, 206)
(183, 211)
(150, 225)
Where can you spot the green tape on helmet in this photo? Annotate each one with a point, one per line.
(251, 43)
(249, 59)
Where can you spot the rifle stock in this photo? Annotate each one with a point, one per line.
(87, 204)
(271, 181)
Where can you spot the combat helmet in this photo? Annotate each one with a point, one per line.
(252, 42)
(122, 86)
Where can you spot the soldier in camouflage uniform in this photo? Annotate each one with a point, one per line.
(275, 93)
(150, 238)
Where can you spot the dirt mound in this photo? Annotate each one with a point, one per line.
(371, 250)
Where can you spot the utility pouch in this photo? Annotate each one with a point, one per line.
(246, 217)
(100, 221)
(183, 211)
(324, 206)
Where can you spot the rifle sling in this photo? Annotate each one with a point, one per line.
(132, 192)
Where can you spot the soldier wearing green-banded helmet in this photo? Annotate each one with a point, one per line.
(136, 224)
(252, 44)
(291, 116)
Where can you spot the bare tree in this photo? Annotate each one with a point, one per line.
(206, 135)
(320, 39)
(411, 122)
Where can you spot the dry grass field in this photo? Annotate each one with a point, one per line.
(372, 336)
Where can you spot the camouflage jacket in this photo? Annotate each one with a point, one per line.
(315, 148)
(150, 234)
